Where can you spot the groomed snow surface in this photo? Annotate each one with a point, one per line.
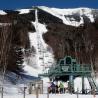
(43, 56)
(17, 91)
(51, 96)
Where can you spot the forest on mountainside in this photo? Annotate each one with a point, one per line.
(13, 39)
(80, 42)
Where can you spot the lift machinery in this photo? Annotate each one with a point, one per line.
(69, 67)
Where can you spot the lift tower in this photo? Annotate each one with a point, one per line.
(69, 67)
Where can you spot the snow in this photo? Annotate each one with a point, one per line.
(33, 65)
(10, 88)
(78, 84)
(60, 13)
(24, 11)
(52, 96)
(2, 12)
(16, 91)
(30, 70)
(41, 29)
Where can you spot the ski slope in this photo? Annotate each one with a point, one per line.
(43, 56)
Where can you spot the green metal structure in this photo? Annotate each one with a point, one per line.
(68, 66)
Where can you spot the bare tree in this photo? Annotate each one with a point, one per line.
(5, 41)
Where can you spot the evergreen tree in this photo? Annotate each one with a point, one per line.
(16, 59)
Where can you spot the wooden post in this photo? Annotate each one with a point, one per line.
(42, 87)
(83, 90)
(37, 92)
(24, 92)
(1, 92)
(30, 88)
(71, 84)
(47, 93)
(94, 93)
(77, 93)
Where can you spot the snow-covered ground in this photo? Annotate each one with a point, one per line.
(61, 13)
(2, 12)
(17, 91)
(43, 56)
(33, 65)
(24, 11)
(51, 96)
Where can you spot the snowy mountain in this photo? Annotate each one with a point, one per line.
(72, 17)
(42, 35)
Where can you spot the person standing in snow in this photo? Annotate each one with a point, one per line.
(61, 86)
(52, 87)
